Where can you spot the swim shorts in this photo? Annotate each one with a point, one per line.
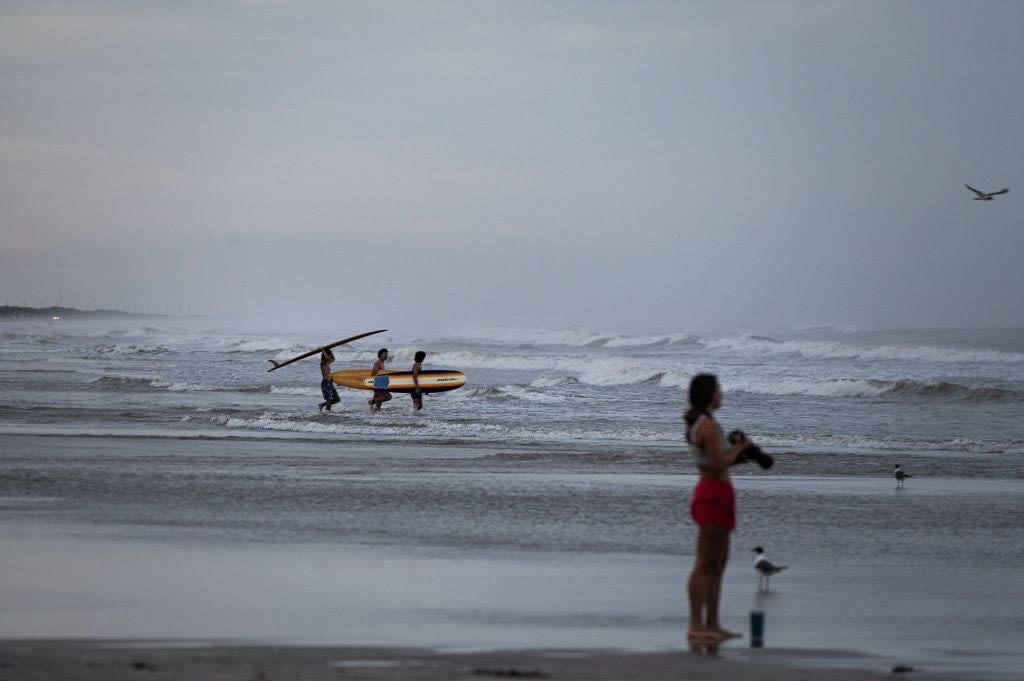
(327, 388)
(381, 395)
(714, 502)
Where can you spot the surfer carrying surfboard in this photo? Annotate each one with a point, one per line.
(327, 385)
(417, 367)
(380, 396)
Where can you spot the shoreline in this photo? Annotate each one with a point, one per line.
(123, 659)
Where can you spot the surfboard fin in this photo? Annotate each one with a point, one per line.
(275, 363)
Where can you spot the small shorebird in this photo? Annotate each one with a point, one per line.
(900, 476)
(765, 569)
(985, 196)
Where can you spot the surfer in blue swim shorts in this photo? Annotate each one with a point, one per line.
(380, 396)
(326, 384)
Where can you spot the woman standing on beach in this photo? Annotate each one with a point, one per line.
(713, 508)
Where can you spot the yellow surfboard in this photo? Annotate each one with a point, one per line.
(431, 380)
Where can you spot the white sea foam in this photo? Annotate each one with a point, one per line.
(572, 338)
(120, 375)
(530, 394)
(853, 443)
(414, 426)
(287, 390)
(641, 341)
(130, 349)
(869, 387)
(278, 346)
(185, 386)
(676, 379)
(554, 381)
(282, 346)
(599, 371)
(810, 387)
(117, 384)
(761, 346)
(376, 426)
(618, 371)
(466, 359)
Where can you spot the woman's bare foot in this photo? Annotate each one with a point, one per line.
(703, 635)
(725, 633)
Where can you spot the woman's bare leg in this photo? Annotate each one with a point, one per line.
(704, 587)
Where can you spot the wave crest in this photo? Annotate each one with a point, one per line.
(759, 345)
(872, 387)
(573, 338)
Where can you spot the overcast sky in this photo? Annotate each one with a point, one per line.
(612, 165)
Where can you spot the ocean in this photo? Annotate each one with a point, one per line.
(157, 482)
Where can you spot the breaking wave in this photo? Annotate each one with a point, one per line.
(122, 384)
(871, 388)
(571, 338)
(761, 346)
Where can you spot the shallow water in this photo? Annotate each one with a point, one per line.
(297, 542)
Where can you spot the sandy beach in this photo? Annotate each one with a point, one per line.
(198, 661)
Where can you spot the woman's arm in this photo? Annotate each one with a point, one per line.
(708, 439)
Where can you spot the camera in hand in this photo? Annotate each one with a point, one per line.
(751, 453)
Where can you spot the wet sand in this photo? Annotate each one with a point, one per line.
(47, 660)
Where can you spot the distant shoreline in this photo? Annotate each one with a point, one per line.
(8, 312)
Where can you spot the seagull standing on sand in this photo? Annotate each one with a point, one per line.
(765, 569)
(900, 476)
(985, 196)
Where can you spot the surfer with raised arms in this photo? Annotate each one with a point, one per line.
(380, 396)
(326, 384)
(417, 367)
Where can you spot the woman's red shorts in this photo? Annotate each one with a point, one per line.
(714, 502)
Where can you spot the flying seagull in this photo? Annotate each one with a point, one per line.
(982, 196)
(900, 476)
(765, 569)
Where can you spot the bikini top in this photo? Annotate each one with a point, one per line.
(700, 456)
